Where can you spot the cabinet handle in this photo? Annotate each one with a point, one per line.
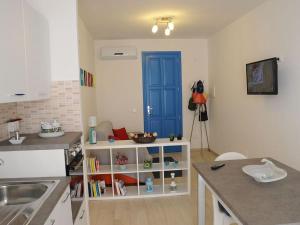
(66, 198)
(1, 162)
(52, 222)
(19, 94)
(81, 217)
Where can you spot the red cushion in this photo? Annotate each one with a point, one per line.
(120, 133)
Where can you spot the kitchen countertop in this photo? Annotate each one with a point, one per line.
(251, 202)
(34, 142)
(46, 208)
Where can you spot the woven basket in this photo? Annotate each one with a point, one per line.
(143, 140)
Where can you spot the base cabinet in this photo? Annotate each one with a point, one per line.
(81, 218)
(62, 213)
(32, 163)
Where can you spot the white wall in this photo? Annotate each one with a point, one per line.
(119, 82)
(86, 58)
(62, 18)
(257, 125)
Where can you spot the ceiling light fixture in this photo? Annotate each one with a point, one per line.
(164, 21)
(154, 28)
(171, 25)
(167, 31)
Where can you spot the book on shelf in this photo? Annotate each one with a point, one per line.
(76, 191)
(93, 164)
(96, 188)
(120, 187)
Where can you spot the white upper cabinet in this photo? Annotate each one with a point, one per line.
(37, 49)
(12, 51)
(24, 53)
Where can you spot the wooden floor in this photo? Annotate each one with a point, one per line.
(177, 210)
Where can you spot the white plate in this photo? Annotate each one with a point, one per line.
(265, 173)
(17, 142)
(51, 135)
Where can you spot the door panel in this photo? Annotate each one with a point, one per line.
(154, 72)
(170, 103)
(169, 66)
(162, 94)
(155, 102)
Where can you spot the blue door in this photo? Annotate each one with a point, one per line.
(162, 94)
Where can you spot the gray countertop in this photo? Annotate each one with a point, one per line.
(255, 203)
(46, 208)
(34, 142)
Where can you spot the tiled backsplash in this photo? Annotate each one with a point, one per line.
(63, 106)
(7, 111)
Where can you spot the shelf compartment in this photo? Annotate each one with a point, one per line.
(131, 191)
(157, 190)
(108, 194)
(76, 187)
(94, 192)
(181, 189)
(157, 183)
(130, 168)
(104, 169)
(131, 184)
(155, 167)
(182, 165)
(104, 159)
(181, 181)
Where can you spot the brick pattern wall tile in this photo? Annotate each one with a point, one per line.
(7, 111)
(63, 106)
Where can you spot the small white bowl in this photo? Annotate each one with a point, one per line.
(17, 142)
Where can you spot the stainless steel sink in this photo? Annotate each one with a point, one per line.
(21, 193)
(19, 201)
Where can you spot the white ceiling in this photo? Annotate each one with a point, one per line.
(133, 19)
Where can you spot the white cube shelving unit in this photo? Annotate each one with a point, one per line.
(161, 187)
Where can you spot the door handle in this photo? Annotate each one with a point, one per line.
(149, 109)
(66, 198)
(81, 217)
(1, 162)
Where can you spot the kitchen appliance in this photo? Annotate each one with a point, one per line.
(74, 159)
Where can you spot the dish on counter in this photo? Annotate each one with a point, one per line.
(17, 142)
(52, 134)
(265, 173)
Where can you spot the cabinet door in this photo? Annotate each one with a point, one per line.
(35, 163)
(37, 52)
(62, 213)
(12, 53)
(81, 218)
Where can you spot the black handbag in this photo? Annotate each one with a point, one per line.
(192, 106)
(203, 116)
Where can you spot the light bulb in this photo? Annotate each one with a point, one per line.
(154, 28)
(167, 31)
(171, 25)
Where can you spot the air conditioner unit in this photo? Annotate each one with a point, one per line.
(107, 53)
